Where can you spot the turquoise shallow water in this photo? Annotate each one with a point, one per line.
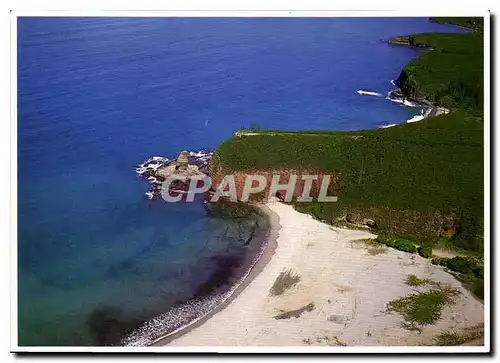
(98, 95)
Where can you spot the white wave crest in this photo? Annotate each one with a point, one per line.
(404, 102)
(423, 114)
(415, 118)
(386, 126)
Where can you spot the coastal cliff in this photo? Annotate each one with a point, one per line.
(449, 73)
(417, 184)
(412, 179)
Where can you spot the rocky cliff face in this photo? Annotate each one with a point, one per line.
(218, 173)
(407, 85)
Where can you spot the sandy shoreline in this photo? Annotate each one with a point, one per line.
(348, 284)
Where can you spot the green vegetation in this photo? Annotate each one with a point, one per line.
(451, 75)
(422, 308)
(406, 178)
(229, 210)
(448, 245)
(404, 245)
(473, 23)
(413, 280)
(468, 270)
(400, 244)
(425, 251)
(386, 240)
(459, 337)
(462, 265)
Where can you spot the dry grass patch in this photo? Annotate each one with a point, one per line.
(330, 341)
(459, 337)
(413, 280)
(373, 251)
(295, 313)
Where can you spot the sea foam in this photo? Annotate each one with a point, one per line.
(368, 93)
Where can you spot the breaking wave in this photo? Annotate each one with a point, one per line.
(402, 101)
(415, 118)
(386, 126)
(368, 93)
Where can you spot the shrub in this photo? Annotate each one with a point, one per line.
(436, 261)
(405, 245)
(390, 243)
(478, 272)
(478, 288)
(385, 240)
(457, 264)
(413, 280)
(423, 308)
(462, 265)
(425, 251)
(454, 337)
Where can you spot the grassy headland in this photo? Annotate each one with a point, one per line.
(451, 74)
(422, 180)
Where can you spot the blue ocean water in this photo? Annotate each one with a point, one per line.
(98, 95)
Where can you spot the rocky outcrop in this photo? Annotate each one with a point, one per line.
(409, 41)
(157, 168)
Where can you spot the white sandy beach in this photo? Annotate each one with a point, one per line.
(349, 287)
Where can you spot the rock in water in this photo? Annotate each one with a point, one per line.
(155, 167)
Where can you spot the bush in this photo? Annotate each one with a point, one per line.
(471, 274)
(413, 280)
(425, 251)
(478, 272)
(457, 264)
(462, 265)
(454, 337)
(405, 245)
(422, 308)
(385, 240)
(437, 261)
(478, 288)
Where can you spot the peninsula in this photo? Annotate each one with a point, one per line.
(414, 274)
